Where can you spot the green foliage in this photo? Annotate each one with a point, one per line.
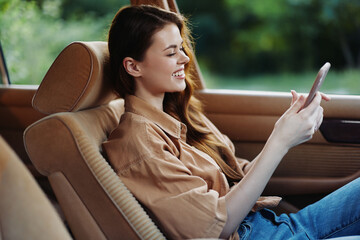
(248, 37)
(80, 8)
(33, 35)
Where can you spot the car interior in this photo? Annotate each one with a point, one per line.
(22, 199)
(52, 136)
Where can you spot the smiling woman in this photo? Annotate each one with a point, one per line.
(192, 180)
(162, 68)
(180, 166)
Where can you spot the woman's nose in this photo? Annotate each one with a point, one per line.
(184, 59)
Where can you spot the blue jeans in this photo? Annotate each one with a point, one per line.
(336, 215)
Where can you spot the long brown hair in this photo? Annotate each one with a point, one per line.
(130, 35)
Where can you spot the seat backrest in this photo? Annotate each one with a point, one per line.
(66, 147)
(25, 211)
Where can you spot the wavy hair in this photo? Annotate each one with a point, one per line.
(130, 35)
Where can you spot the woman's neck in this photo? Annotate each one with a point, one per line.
(155, 100)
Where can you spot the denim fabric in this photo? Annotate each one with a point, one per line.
(336, 215)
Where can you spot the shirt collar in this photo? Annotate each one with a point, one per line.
(166, 122)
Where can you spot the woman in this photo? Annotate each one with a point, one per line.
(178, 164)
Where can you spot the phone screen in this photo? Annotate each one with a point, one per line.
(317, 83)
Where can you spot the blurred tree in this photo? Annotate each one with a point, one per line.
(342, 18)
(233, 37)
(246, 37)
(210, 26)
(33, 34)
(79, 8)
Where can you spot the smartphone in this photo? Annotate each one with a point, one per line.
(317, 83)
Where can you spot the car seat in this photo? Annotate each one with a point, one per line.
(65, 146)
(25, 211)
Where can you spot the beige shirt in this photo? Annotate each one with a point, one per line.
(182, 187)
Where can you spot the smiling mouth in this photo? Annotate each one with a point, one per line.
(180, 73)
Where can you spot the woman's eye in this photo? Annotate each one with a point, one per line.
(174, 53)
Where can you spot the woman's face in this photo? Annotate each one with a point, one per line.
(162, 69)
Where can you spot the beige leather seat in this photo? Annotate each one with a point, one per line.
(25, 211)
(66, 147)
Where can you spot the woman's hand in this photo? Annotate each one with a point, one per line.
(297, 125)
(295, 96)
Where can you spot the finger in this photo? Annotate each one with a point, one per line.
(320, 118)
(317, 118)
(296, 107)
(325, 97)
(295, 96)
(319, 124)
(315, 103)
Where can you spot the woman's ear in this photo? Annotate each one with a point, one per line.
(132, 67)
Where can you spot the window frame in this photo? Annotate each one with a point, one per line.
(5, 79)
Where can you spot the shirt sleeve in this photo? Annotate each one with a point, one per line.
(182, 204)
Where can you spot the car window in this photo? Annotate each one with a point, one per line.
(34, 32)
(277, 45)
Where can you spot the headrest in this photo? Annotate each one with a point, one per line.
(78, 79)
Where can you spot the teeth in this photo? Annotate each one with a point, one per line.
(179, 73)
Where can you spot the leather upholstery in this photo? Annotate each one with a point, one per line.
(76, 80)
(25, 212)
(66, 147)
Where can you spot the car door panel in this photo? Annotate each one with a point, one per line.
(315, 167)
(341, 130)
(16, 114)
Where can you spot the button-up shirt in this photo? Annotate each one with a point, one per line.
(182, 187)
